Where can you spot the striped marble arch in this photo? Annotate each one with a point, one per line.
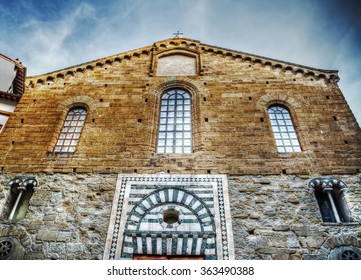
(170, 215)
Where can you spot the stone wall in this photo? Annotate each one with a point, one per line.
(273, 217)
(68, 216)
(277, 217)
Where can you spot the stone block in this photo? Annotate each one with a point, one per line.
(36, 202)
(46, 235)
(293, 242)
(277, 241)
(281, 227)
(58, 248)
(50, 217)
(315, 241)
(269, 211)
(300, 230)
(256, 242)
(76, 248)
(262, 181)
(281, 256)
(64, 235)
(255, 215)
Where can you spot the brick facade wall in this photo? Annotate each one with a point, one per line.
(231, 128)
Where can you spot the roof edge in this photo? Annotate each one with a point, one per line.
(331, 75)
(110, 57)
(275, 60)
(17, 62)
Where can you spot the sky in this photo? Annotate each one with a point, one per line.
(48, 35)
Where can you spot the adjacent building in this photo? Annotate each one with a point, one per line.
(12, 79)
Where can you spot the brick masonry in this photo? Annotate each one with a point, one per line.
(232, 133)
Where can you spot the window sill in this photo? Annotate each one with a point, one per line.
(289, 154)
(60, 154)
(174, 153)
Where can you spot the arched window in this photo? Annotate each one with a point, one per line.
(283, 129)
(331, 200)
(70, 132)
(175, 122)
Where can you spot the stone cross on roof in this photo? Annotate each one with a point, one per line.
(177, 34)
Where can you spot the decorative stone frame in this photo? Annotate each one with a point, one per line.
(176, 51)
(136, 195)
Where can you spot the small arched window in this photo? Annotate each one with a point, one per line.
(283, 129)
(70, 132)
(175, 122)
(21, 191)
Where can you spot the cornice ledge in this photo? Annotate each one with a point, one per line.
(306, 71)
(51, 77)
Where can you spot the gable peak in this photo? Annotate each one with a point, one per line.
(177, 42)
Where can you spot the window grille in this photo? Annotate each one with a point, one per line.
(175, 122)
(283, 129)
(70, 132)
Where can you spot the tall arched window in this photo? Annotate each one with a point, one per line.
(70, 132)
(175, 122)
(283, 129)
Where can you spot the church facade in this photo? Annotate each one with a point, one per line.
(181, 150)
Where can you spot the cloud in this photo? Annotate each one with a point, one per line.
(47, 41)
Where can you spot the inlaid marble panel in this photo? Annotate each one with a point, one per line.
(200, 226)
